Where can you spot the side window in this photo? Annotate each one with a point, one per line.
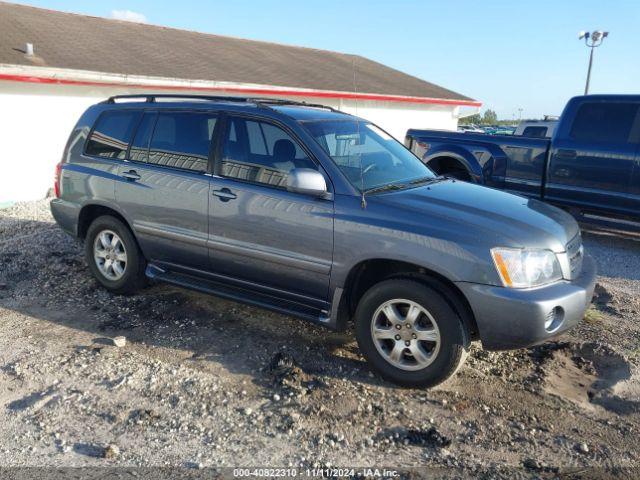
(257, 142)
(259, 152)
(182, 140)
(112, 133)
(139, 151)
(604, 122)
(271, 136)
(535, 132)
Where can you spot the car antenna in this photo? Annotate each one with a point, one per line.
(363, 201)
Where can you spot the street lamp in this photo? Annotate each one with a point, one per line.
(592, 40)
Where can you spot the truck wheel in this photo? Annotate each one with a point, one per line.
(409, 333)
(113, 256)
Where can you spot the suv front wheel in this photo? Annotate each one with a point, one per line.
(410, 334)
(113, 256)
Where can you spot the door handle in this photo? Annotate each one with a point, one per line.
(224, 194)
(564, 153)
(562, 172)
(131, 175)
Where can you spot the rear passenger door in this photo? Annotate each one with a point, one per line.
(592, 163)
(163, 186)
(275, 241)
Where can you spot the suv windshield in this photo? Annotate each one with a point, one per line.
(369, 157)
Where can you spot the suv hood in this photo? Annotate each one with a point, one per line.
(485, 215)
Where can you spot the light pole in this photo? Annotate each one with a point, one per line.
(592, 40)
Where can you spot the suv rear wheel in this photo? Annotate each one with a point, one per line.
(410, 334)
(113, 256)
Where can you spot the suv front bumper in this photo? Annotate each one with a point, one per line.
(510, 318)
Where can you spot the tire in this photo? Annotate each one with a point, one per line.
(124, 276)
(441, 348)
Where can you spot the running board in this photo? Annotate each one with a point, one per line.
(241, 295)
(619, 226)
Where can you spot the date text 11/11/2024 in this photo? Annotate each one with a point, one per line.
(327, 472)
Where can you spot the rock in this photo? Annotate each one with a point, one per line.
(3, 286)
(247, 411)
(111, 451)
(284, 369)
(531, 464)
(430, 437)
(120, 341)
(276, 397)
(583, 448)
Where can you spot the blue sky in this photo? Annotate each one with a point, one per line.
(508, 54)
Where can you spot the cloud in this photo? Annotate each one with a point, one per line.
(128, 16)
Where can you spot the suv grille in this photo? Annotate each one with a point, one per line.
(575, 254)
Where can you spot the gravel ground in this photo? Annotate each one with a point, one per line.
(206, 383)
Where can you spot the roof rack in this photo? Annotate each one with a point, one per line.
(151, 98)
(281, 101)
(263, 102)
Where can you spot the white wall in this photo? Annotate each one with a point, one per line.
(34, 127)
(397, 118)
(35, 122)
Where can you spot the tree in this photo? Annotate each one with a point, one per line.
(471, 119)
(490, 118)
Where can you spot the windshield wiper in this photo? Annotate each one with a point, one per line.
(399, 186)
(427, 180)
(385, 188)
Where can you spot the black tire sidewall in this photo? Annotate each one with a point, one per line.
(134, 271)
(453, 338)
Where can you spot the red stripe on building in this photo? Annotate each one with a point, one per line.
(247, 90)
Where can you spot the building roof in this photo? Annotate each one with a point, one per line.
(79, 42)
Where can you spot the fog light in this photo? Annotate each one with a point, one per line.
(554, 319)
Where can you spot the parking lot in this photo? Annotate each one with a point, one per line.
(204, 382)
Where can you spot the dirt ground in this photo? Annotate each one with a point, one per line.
(208, 383)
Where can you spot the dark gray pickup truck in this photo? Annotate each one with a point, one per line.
(591, 166)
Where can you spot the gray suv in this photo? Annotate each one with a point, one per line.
(321, 215)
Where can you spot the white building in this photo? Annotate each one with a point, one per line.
(53, 65)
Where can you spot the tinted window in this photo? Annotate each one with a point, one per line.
(182, 140)
(112, 134)
(261, 153)
(536, 132)
(139, 151)
(604, 122)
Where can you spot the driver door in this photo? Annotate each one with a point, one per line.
(259, 232)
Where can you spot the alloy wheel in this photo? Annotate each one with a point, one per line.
(405, 334)
(110, 255)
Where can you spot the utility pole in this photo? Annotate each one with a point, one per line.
(592, 40)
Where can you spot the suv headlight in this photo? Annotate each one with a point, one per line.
(524, 268)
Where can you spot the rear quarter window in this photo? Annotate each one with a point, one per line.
(535, 132)
(112, 134)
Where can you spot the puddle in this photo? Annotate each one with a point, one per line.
(591, 376)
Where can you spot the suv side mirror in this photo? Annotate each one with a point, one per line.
(306, 181)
